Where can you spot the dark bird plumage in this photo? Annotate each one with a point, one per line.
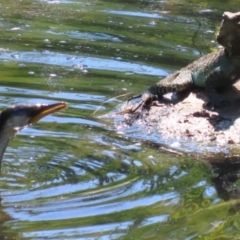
(15, 118)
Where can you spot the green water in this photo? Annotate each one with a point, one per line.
(74, 175)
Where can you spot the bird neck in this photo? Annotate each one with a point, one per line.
(3, 146)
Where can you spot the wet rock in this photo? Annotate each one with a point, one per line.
(186, 120)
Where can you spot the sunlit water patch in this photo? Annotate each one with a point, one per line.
(86, 35)
(72, 61)
(136, 14)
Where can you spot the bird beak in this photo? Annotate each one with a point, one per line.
(44, 110)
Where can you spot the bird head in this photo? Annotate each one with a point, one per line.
(15, 118)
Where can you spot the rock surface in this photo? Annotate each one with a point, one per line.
(184, 120)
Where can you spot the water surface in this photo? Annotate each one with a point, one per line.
(74, 175)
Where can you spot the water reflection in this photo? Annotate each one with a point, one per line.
(86, 35)
(75, 175)
(81, 62)
(138, 14)
(5, 217)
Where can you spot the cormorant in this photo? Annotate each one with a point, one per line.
(17, 117)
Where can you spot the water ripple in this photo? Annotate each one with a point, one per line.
(39, 212)
(68, 60)
(87, 35)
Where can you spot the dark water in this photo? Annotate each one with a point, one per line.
(77, 176)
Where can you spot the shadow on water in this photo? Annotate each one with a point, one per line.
(227, 170)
